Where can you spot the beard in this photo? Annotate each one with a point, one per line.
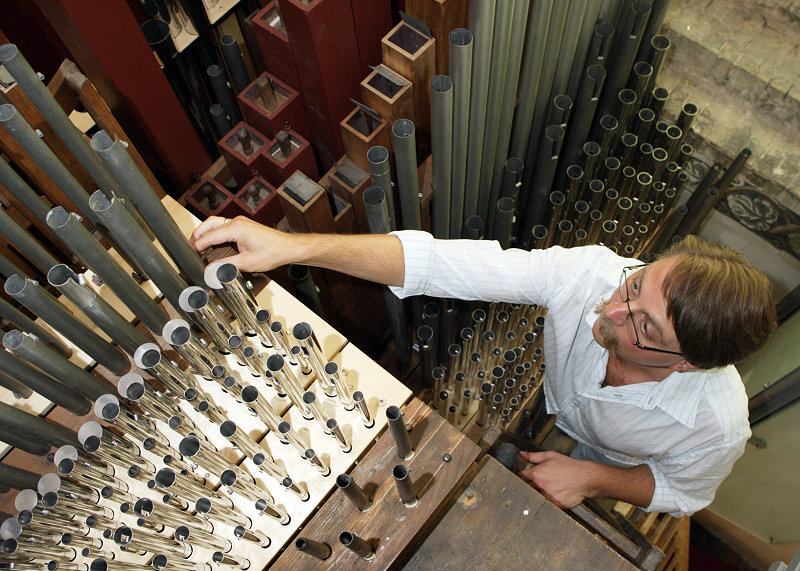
(608, 340)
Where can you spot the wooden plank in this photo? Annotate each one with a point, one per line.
(500, 522)
(392, 99)
(360, 132)
(389, 525)
(441, 16)
(96, 106)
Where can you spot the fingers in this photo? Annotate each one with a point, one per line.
(539, 457)
(214, 230)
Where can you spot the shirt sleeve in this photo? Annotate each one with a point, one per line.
(481, 269)
(687, 483)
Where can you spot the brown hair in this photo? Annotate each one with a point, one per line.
(721, 307)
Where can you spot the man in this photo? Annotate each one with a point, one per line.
(638, 356)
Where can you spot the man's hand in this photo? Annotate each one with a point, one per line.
(561, 479)
(261, 248)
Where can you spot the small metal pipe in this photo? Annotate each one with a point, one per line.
(405, 487)
(306, 290)
(343, 392)
(261, 407)
(317, 462)
(254, 536)
(25, 243)
(211, 511)
(148, 357)
(317, 549)
(359, 546)
(55, 365)
(336, 431)
(201, 538)
(178, 333)
(296, 488)
(473, 227)
(142, 542)
(363, 409)
(353, 492)
(286, 432)
(108, 408)
(154, 403)
(381, 177)
(306, 338)
(223, 93)
(226, 559)
(399, 431)
(542, 180)
(285, 382)
(273, 511)
(224, 278)
(196, 303)
(234, 62)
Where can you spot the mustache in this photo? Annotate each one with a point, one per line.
(606, 328)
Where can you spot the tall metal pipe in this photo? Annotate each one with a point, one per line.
(441, 95)
(26, 243)
(591, 86)
(136, 244)
(659, 46)
(321, 551)
(399, 432)
(405, 158)
(47, 386)
(626, 44)
(357, 545)
(116, 158)
(481, 23)
(506, 108)
(16, 420)
(375, 203)
(22, 191)
(568, 59)
(72, 286)
(532, 59)
(461, 49)
(545, 170)
(56, 117)
(380, 173)
(26, 324)
(228, 283)
(588, 32)
(503, 221)
(57, 366)
(306, 290)
(69, 230)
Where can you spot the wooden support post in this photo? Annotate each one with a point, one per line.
(278, 164)
(285, 111)
(350, 181)
(240, 146)
(274, 43)
(441, 16)
(410, 53)
(322, 36)
(389, 94)
(360, 132)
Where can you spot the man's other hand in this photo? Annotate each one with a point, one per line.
(561, 479)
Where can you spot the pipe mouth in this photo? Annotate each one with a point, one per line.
(8, 52)
(99, 202)
(176, 332)
(331, 368)
(284, 427)
(690, 109)
(160, 561)
(123, 535)
(591, 148)
(302, 331)
(403, 128)
(63, 452)
(88, 429)
(202, 505)
(460, 37)
(343, 481)
(7, 111)
(227, 40)
(596, 72)
(227, 478)
(155, 31)
(374, 195)
(309, 397)
(505, 204)
(189, 446)
(182, 533)
(275, 362)
(575, 172)
(358, 396)
(298, 272)
(165, 478)
(332, 424)
(642, 68)
(125, 383)
(400, 471)
(660, 42)
(57, 217)
(210, 275)
(193, 298)
(441, 83)
(13, 339)
(147, 356)
(102, 142)
(557, 198)
(249, 394)
(627, 96)
(377, 155)
(263, 316)
(539, 232)
(92, 444)
(15, 284)
(227, 272)
(107, 407)
(214, 70)
(393, 413)
(227, 428)
(235, 341)
(647, 115)
(425, 333)
(474, 222)
(143, 507)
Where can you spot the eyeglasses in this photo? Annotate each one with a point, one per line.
(633, 329)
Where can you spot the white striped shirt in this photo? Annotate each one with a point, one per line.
(689, 428)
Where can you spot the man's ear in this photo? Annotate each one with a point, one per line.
(684, 366)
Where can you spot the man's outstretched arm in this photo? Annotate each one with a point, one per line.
(374, 257)
(567, 482)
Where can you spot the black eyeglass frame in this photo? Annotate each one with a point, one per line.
(625, 296)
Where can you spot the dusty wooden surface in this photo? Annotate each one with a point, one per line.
(499, 522)
(390, 526)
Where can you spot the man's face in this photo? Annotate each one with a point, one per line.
(616, 330)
